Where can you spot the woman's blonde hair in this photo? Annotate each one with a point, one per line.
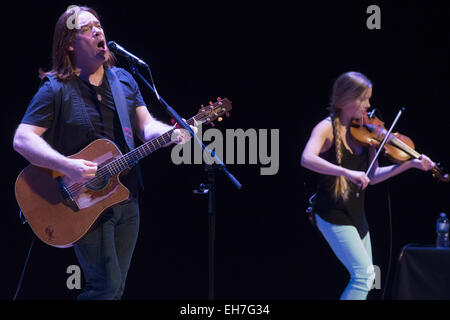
(347, 87)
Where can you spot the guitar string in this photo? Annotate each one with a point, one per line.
(122, 163)
(127, 160)
(116, 165)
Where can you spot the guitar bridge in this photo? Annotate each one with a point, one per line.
(67, 196)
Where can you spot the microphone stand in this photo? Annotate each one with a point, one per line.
(216, 163)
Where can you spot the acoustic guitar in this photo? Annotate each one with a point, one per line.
(60, 211)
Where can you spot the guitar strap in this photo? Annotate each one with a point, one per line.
(124, 116)
(121, 107)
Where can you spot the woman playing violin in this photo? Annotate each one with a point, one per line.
(341, 162)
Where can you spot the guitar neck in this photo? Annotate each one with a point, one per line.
(205, 115)
(132, 158)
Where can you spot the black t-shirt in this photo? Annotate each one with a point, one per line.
(101, 110)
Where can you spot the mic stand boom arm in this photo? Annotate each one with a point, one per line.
(185, 126)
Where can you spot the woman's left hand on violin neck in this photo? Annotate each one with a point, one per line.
(423, 163)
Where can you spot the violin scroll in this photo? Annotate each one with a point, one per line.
(437, 172)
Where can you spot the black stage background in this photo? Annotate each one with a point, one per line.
(276, 61)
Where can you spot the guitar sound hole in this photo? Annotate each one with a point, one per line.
(98, 183)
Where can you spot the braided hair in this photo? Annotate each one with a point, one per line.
(347, 87)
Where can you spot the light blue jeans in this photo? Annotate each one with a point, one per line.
(356, 255)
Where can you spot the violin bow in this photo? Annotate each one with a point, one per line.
(382, 145)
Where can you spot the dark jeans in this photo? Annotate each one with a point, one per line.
(105, 252)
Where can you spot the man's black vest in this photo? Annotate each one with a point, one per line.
(72, 129)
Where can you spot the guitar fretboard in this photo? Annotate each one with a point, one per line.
(131, 158)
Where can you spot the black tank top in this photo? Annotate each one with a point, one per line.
(351, 211)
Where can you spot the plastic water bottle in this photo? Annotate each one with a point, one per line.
(442, 227)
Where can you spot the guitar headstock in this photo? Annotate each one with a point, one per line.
(214, 111)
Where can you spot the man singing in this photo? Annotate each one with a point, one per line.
(83, 98)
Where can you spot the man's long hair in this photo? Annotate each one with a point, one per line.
(62, 59)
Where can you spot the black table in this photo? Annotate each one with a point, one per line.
(422, 273)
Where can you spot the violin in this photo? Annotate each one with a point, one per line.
(370, 131)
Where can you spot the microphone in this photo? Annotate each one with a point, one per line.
(124, 53)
